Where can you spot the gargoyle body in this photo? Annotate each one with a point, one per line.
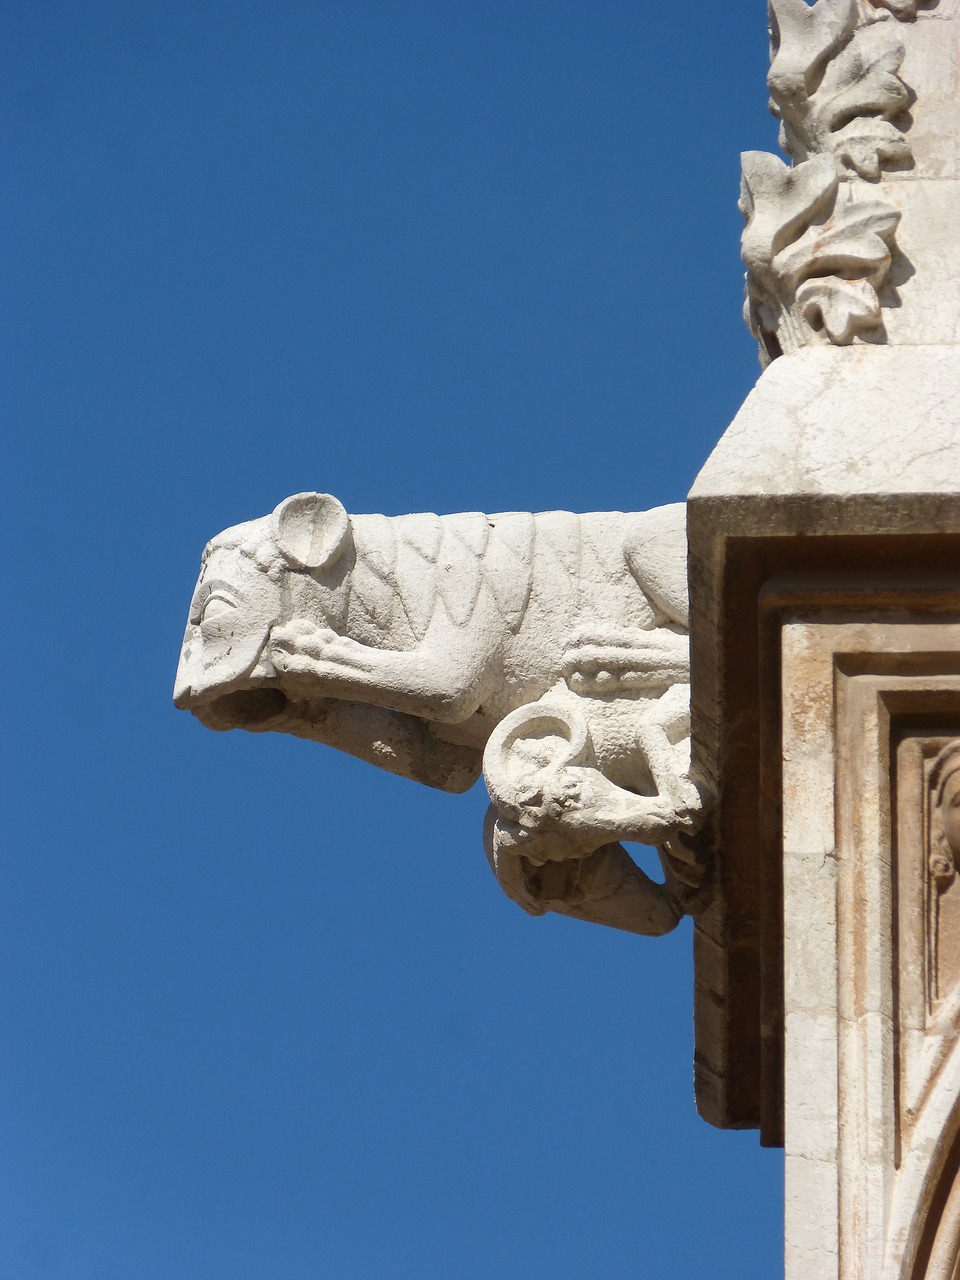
(549, 650)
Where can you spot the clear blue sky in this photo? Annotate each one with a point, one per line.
(265, 1012)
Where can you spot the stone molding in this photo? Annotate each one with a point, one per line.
(872, 1055)
(841, 466)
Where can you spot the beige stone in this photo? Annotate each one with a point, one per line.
(824, 540)
(550, 650)
(858, 241)
(868, 1030)
(805, 747)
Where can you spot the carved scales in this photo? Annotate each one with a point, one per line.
(549, 650)
(819, 239)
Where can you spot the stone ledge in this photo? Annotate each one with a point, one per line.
(791, 510)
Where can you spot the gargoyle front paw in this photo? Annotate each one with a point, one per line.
(563, 794)
(305, 648)
(688, 805)
(303, 638)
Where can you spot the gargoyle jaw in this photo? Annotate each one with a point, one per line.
(242, 709)
(245, 702)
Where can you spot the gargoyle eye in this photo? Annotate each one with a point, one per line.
(215, 605)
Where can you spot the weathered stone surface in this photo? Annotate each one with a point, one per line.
(825, 630)
(549, 649)
(870, 1013)
(825, 656)
(550, 652)
(870, 423)
(859, 240)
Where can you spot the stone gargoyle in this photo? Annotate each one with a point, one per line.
(548, 650)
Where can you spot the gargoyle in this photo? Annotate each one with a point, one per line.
(549, 650)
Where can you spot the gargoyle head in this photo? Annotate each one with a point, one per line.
(252, 578)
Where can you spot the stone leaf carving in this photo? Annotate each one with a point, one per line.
(835, 86)
(548, 650)
(817, 250)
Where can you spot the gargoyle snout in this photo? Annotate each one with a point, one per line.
(182, 691)
(183, 685)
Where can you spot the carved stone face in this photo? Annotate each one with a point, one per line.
(223, 676)
(950, 809)
(253, 577)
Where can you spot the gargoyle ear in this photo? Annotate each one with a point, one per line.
(311, 529)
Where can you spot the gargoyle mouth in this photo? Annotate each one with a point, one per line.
(242, 709)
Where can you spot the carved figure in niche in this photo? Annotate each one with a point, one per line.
(551, 650)
(945, 781)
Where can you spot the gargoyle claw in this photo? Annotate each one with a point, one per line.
(302, 647)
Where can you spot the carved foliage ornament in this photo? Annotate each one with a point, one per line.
(834, 84)
(816, 253)
(818, 241)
